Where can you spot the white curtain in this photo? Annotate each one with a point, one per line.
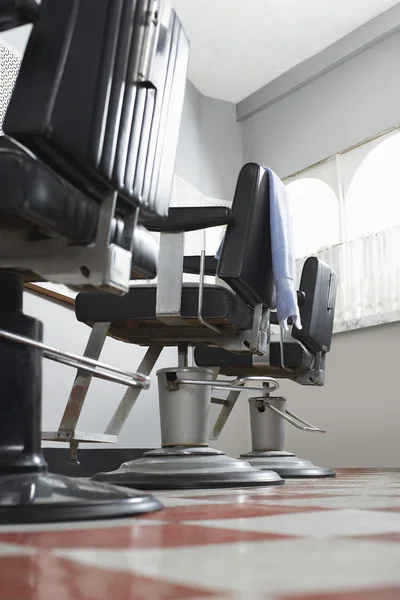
(368, 271)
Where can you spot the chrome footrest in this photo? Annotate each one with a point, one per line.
(235, 385)
(78, 437)
(96, 368)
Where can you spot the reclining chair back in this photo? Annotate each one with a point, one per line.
(89, 115)
(106, 84)
(245, 262)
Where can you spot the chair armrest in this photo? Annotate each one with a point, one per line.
(191, 265)
(189, 218)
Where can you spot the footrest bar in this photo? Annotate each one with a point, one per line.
(98, 369)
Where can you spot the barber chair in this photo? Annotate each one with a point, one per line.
(235, 318)
(300, 357)
(84, 155)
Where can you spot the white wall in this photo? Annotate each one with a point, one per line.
(359, 405)
(347, 105)
(210, 145)
(17, 38)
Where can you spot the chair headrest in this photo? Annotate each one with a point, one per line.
(245, 262)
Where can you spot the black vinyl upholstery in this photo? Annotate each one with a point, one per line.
(95, 111)
(92, 115)
(144, 254)
(32, 192)
(133, 316)
(17, 13)
(296, 356)
(245, 262)
(40, 204)
(318, 282)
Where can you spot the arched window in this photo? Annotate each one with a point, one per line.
(373, 197)
(315, 214)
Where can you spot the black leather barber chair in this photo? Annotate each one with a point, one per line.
(235, 318)
(91, 135)
(300, 357)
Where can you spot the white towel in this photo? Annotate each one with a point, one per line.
(283, 261)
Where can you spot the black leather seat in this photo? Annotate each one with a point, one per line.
(296, 357)
(133, 315)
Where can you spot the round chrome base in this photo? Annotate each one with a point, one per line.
(177, 468)
(287, 465)
(46, 498)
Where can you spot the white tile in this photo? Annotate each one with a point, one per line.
(15, 550)
(284, 566)
(318, 524)
(171, 501)
(359, 502)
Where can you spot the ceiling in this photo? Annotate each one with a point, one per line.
(238, 46)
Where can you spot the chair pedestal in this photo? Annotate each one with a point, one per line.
(185, 461)
(28, 493)
(268, 435)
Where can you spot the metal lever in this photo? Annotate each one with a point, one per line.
(293, 419)
(234, 384)
(98, 369)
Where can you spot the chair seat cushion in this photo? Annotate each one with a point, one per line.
(34, 197)
(295, 354)
(133, 316)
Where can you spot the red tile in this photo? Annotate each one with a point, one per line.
(161, 535)
(225, 511)
(386, 593)
(297, 496)
(45, 577)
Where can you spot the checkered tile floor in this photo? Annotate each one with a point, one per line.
(329, 539)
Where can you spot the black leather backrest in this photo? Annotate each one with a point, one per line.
(87, 104)
(318, 282)
(245, 262)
